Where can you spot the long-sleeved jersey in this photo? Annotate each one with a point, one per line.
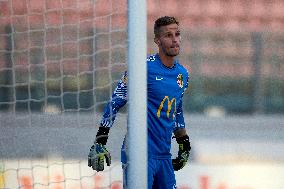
(165, 89)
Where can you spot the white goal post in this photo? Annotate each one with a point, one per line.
(137, 126)
(60, 62)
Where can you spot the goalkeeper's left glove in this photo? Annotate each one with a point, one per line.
(97, 156)
(98, 152)
(183, 152)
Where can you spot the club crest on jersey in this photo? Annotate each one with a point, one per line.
(180, 80)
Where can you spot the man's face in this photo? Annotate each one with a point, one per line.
(169, 40)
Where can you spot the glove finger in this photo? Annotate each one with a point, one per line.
(90, 156)
(108, 159)
(177, 167)
(89, 162)
(182, 164)
(175, 164)
(178, 164)
(94, 164)
(184, 156)
(99, 164)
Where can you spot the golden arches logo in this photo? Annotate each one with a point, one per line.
(170, 102)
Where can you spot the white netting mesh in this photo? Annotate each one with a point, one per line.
(59, 62)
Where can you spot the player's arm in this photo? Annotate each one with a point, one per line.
(182, 139)
(118, 100)
(98, 151)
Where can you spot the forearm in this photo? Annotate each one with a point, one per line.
(117, 101)
(110, 111)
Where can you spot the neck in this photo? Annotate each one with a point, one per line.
(168, 61)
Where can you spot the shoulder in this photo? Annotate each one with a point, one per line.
(151, 62)
(183, 69)
(151, 58)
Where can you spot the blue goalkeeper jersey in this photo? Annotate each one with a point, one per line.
(166, 87)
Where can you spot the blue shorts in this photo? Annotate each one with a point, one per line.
(160, 172)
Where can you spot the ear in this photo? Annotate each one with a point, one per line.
(157, 41)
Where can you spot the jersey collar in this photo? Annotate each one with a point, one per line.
(161, 63)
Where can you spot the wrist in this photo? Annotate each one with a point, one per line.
(184, 141)
(102, 135)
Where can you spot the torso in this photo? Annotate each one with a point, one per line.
(165, 89)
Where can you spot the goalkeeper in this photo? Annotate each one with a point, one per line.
(167, 81)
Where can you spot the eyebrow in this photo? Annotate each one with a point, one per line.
(167, 32)
(161, 33)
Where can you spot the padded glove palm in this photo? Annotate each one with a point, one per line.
(98, 154)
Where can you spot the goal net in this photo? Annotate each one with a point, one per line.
(60, 60)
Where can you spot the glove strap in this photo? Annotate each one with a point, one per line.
(102, 135)
(184, 140)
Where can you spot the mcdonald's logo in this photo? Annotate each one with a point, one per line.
(170, 103)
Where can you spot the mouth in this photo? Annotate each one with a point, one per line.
(174, 46)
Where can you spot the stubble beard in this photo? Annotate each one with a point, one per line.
(170, 52)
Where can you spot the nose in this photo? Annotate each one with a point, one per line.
(176, 39)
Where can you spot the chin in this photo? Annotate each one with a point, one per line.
(172, 54)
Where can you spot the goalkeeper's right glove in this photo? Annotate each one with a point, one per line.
(98, 152)
(183, 153)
